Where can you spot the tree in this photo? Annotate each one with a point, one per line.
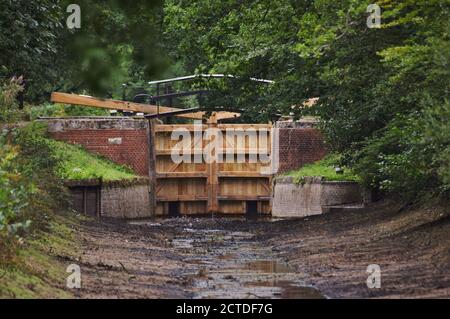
(374, 84)
(118, 40)
(29, 41)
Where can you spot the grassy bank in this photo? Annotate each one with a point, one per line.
(76, 163)
(37, 237)
(38, 270)
(325, 168)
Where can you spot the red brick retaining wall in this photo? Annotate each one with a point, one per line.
(122, 140)
(300, 146)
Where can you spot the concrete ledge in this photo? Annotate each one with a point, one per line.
(100, 182)
(94, 123)
(314, 196)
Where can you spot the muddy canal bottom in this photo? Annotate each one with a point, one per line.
(221, 262)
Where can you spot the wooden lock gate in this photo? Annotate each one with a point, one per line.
(209, 186)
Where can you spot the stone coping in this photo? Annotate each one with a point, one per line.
(62, 124)
(310, 180)
(100, 182)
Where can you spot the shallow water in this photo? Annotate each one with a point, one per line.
(233, 264)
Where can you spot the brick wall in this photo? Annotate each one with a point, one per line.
(122, 140)
(300, 146)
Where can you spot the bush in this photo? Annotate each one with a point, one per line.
(30, 192)
(61, 110)
(9, 90)
(437, 133)
(411, 156)
(14, 193)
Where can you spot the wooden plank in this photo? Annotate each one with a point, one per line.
(255, 151)
(168, 151)
(243, 174)
(213, 179)
(222, 127)
(152, 165)
(222, 115)
(181, 175)
(169, 128)
(244, 126)
(182, 198)
(84, 100)
(243, 197)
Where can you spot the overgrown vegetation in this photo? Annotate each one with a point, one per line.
(61, 110)
(9, 110)
(38, 271)
(35, 225)
(30, 192)
(384, 92)
(325, 168)
(117, 42)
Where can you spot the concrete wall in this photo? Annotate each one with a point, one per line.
(313, 196)
(295, 200)
(125, 201)
(121, 199)
(123, 140)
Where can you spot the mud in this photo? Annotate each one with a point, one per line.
(317, 257)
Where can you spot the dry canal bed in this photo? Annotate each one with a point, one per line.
(316, 257)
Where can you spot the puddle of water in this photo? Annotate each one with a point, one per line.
(231, 264)
(253, 279)
(182, 243)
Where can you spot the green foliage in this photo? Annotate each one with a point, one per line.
(436, 121)
(31, 189)
(62, 110)
(38, 271)
(9, 90)
(29, 42)
(30, 192)
(14, 193)
(325, 168)
(117, 41)
(383, 92)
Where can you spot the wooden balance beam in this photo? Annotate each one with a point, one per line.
(84, 100)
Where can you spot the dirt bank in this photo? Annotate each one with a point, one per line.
(412, 247)
(318, 256)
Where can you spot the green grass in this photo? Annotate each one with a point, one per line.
(39, 269)
(76, 164)
(324, 168)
